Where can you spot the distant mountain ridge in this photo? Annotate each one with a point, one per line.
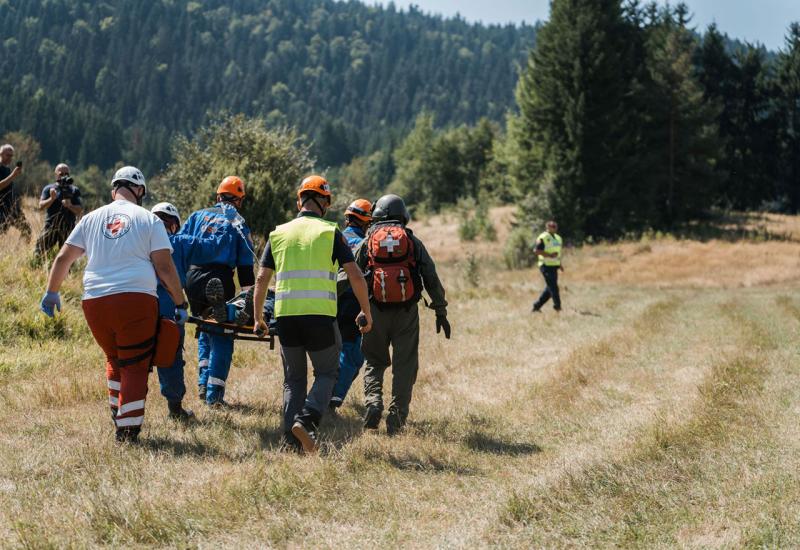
(98, 81)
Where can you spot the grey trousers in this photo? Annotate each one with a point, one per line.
(296, 395)
(398, 328)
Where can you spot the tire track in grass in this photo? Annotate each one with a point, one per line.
(641, 498)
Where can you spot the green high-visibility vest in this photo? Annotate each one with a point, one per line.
(552, 243)
(305, 274)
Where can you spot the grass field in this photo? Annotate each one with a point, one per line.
(661, 408)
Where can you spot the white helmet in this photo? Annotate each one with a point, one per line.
(168, 209)
(130, 174)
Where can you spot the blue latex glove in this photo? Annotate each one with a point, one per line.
(229, 212)
(181, 316)
(50, 300)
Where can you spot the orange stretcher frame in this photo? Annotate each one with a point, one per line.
(237, 332)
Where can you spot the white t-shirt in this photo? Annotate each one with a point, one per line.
(118, 239)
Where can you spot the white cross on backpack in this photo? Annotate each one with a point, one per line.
(389, 244)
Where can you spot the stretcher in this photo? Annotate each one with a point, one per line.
(237, 332)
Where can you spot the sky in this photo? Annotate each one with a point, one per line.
(763, 21)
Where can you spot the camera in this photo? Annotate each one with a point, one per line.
(19, 164)
(65, 186)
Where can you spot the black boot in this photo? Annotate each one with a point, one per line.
(215, 296)
(128, 434)
(244, 316)
(290, 444)
(372, 417)
(177, 412)
(394, 422)
(305, 429)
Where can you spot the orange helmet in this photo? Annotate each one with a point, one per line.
(360, 208)
(316, 184)
(231, 185)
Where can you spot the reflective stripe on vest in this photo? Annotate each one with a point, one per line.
(305, 273)
(552, 244)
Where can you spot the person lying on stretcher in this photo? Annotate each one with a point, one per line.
(239, 309)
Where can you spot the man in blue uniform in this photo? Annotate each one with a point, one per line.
(173, 387)
(210, 284)
(357, 219)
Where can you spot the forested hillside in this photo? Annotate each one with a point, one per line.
(96, 82)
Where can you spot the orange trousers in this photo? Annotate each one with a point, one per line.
(124, 325)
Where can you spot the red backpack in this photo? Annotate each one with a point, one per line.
(390, 251)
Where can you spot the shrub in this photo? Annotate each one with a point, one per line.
(272, 162)
(518, 253)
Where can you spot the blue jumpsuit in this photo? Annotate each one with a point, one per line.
(215, 351)
(173, 387)
(350, 358)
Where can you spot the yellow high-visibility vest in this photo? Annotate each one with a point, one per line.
(305, 273)
(552, 244)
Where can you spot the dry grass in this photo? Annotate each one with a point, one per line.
(659, 409)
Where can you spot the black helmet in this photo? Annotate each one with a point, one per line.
(390, 207)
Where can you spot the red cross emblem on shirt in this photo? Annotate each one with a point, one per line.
(115, 226)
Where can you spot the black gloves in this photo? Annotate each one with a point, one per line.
(443, 323)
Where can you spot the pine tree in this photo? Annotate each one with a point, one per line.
(682, 131)
(789, 109)
(574, 129)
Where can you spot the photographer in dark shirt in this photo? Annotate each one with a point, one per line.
(62, 200)
(10, 207)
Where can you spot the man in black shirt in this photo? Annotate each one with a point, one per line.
(62, 200)
(303, 254)
(10, 208)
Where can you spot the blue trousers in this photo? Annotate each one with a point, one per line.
(350, 361)
(173, 388)
(215, 353)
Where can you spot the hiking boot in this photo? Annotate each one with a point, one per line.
(215, 296)
(201, 391)
(372, 418)
(244, 316)
(307, 437)
(177, 412)
(290, 444)
(128, 434)
(335, 403)
(394, 423)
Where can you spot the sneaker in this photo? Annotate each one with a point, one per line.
(215, 296)
(128, 434)
(307, 437)
(372, 418)
(244, 316)
(394, 423)
(177, 412)
(201, 391)
(536, 309)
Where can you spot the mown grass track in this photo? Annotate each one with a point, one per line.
(640, 417)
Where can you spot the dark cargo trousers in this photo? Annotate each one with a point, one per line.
(397, 327)
(550, 274)
(298, 400)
